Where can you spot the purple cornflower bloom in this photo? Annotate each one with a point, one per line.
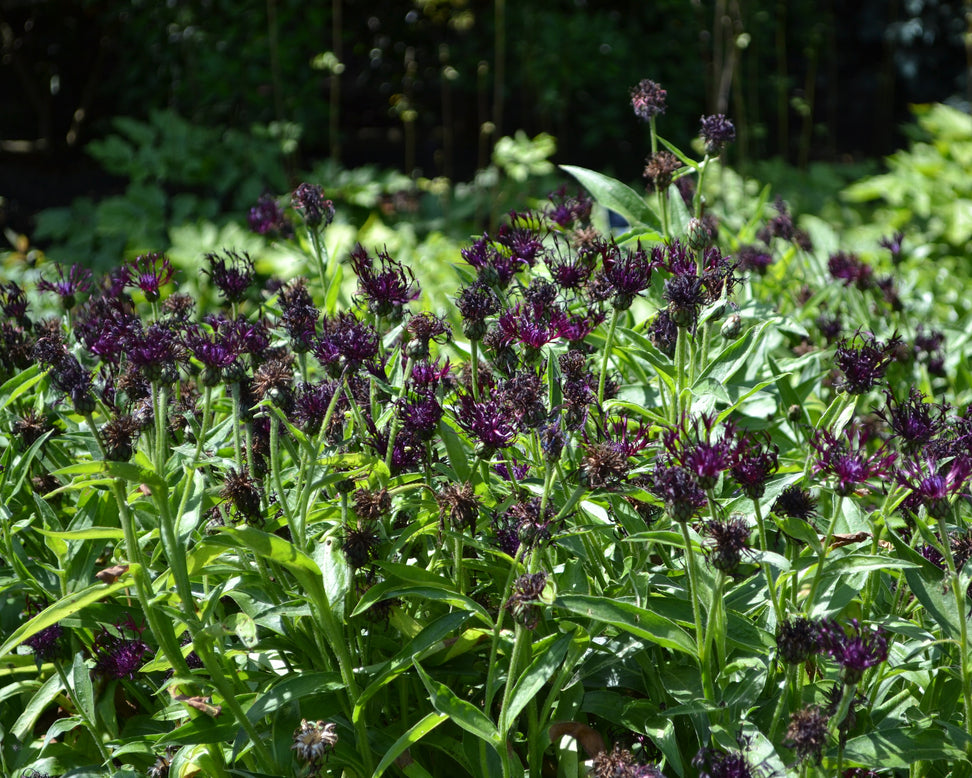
(628, 273)
(46, 644)
(308, 200)
(386, 289)
(679, 490)
(723, 764)
(570, 268)
(849, 268)
(299, 315)
(914, 422)
(118, 657)
(475, 303)
(105, 324)
(231, 273)
(856, 650)
(717, 132)
(311, 402)
(520, 471)
(67, 287)
(797, 639)
(648, 99)
(522, 237)
(421, 416)
(726, 542)
(494, 267)
(754, 462)
(423, 328)
(268, 218)
(795, 502)
(488, 421)
(217, 350)
(155, 352)
(894, 245)
(427, 376)
(566, 209)
(848, 461)
(699, 452)
(929, 349)
(933, 483)
(863, 366)
(754, 258)
(663, 333)
(783, 227)
(807, 733)
(149, 272)
(13, 301)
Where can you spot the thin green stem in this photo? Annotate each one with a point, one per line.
(695, 597)
(767, 568)
(818, 575)
(961, 608)
(608, 345)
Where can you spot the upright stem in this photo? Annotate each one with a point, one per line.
(818, 575)
(770, 583)
(960, 612)
(694, 596)
(608, 345)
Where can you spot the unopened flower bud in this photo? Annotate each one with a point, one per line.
(732, 327)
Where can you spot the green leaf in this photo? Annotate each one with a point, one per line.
(83, 692)
(38, 703)
(388, 589)
(464, 713)
(618, 197)
(548, 659)
(631, 619)
(124, 470)
(64, 607)
(91, 533)
(21, 383)
(899, 748)
(414, 734)
(336, 571)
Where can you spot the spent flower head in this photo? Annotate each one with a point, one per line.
(716, 132)
(309, 201)
(648, 99)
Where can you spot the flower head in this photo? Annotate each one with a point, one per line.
(242, 491)
(754, 461)
(628, 273)
(523, 600)
(795, 502)
(299, 315)
(807, 733)
(717, 132)
(67, 287)
(849, 268)
(648, 99)
(46, 644)
(863, 366)
(232, 273)
(360, 544)
(660, 168)
(621, 763)
(149, 272)
(679, 489)
(856, 650)
(914, 422)
(314, 740)
(726, 542)
(309, 202)
(848, 460)
(268, 218)
(386, 288)
(797, 639)
(459, 504)
(566, 209)
(119, 657)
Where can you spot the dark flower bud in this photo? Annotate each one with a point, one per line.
(309, 202)
(360, 544)
(372, 505)
(648, 99)
(797, 640)
(242, 491)
(232, 273)
(527, 590)
(807, 733)
(118, 435)
(697, 237)
(717, 132)
(726, 542)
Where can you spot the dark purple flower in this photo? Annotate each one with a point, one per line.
(725, 543)
(217, 349)
(268, 218)
(520, 471)
(387, 288)
(522, 238)
(717, 132)
(795, 502)
(149, 272)
(155, 352)
(849, 268)
(913, 421)
(46, 644)
(487, 420)
(830, 325)
(648, 99)
(346, 340)
(933, 483)
(308, 200)
(755, 460)
(67, 287)
(242, 491)
(797, 639)
(422, 329)
(679, 490)
(856, 650)
(570, 267)
(66, 373)
(929, 349)
(864, 365)
(566, 209)
(848, 460)
(723, 764)
(310, 405)
(628, 273)
(754, 259)
(13, 301)
(299, 315)
(663, 333)
(427, 376)
(894, 244)
(783, 227)
(421, 416)
(807, 733)
(524, 599)
(476, 302)
(360, 544)
(699, 451)
(232, 273)
(494, 267)
(685, 294)
(105, 325)
(116, 656)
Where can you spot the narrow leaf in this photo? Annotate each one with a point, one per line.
(464, 713)
(414, 734)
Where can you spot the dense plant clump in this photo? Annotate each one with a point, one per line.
(635, 504)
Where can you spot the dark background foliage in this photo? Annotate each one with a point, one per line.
(427, 86)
